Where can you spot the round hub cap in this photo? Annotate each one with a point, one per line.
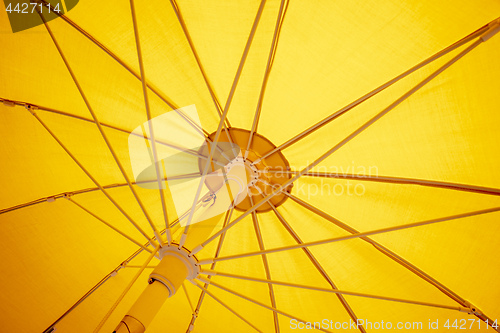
(263, 177)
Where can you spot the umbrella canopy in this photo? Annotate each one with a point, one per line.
(372, 127)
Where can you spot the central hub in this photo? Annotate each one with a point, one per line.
(253, 173)
(263, 177)
(175, 266)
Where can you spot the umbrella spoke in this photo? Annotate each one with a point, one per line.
(123, 264)
(87, 190)
(91, 177)
(204, 289)
(126, 290)
(352, 236)
(62, 113)
(255, 301)
(270, 60)
(336, 291)
(382, 249)
(185, 214)
(372, 93)
(317, 265)
(115, 57)
(101, 130)
(109, 225)
(192, 123)
(28, 204)
(347, 139)
(151, 129)
(218, 107)
(398, 180)
(94, 288)
(398, 259)
(227, 218)
(224, 115)
(266, 266)
(204, 133)
(187, 297)
(167, 101)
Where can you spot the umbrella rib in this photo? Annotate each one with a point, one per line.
(87, 190)
(270, 61)
(187, 297)
(345, 141)
(224, 114)
(88, 175)
(185, 214)
(93, 289)
(374, 92)
(317, 265)
(126, 290)
(123, 264)
(204, 133)
(182, 23)
(201, 131)
(272, 296)
(392, 255)
(336, 291)
(99, 127)
(398, 180)
(28, 204)
(151, 129)
(217, 253)
(91, 38)
(62, 113)
(211, 282)
(170, 103)
(109, 225)
(353, 236)
(204, 290)
(382, 249)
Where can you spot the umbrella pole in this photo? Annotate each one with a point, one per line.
(144, 309)
(175, 266)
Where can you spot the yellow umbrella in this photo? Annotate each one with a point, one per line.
(334, 167)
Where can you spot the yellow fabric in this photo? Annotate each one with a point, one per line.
(329, 54)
